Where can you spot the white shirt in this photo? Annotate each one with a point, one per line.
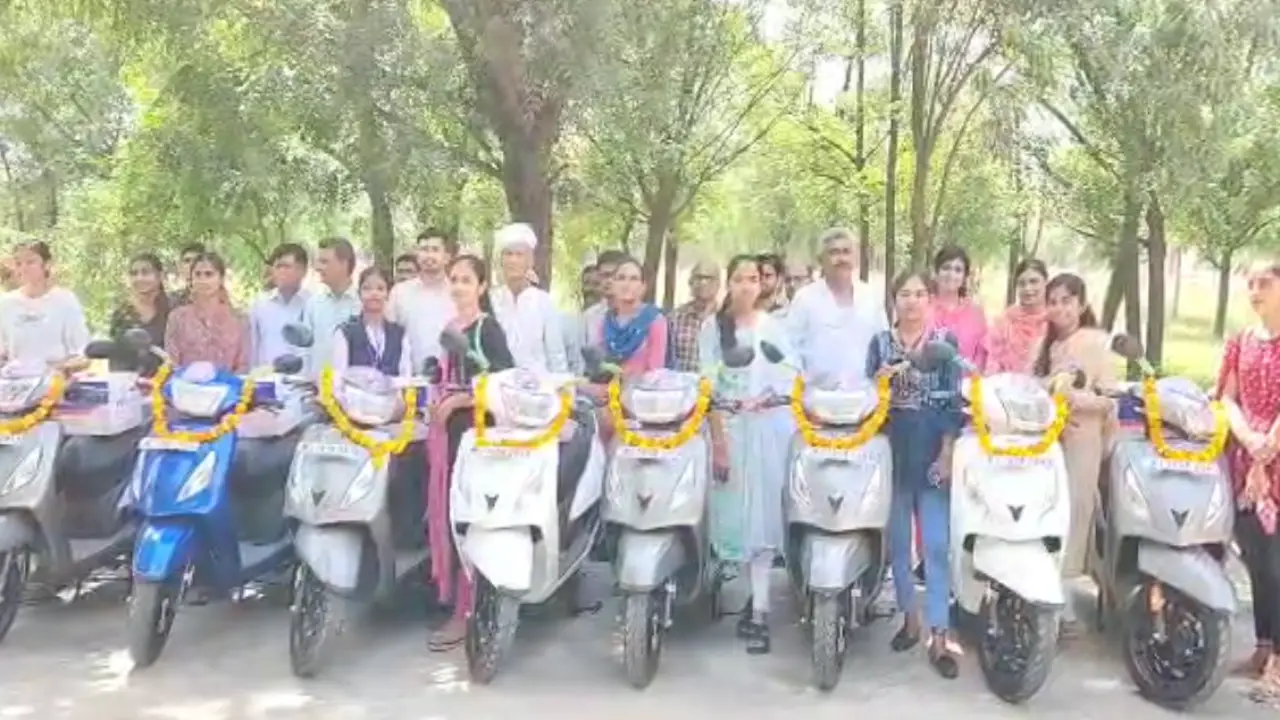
(325, 311)
(42, 330)
(267, 318)
(832, 339)
(532, 324)
(592, 321)
(424, 311)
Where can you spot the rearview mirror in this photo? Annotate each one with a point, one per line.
(100, 350)
(1079, 379)
(740, 356)
(138, 339)
(287, 364)
(771, 352)
(454, 341)
(432, 371)
(1127, 347)
(298, 335)
(933, 355)
(592, 358)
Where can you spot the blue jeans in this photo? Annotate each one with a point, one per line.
(933, 507)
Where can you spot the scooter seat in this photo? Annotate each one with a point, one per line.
(574, 453)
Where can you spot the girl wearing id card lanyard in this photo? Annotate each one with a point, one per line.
(369, 339)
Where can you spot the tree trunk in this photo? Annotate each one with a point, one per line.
(655, 239)
(1129, 271)
(891, 153)
(527, 186)
(922, 146)
(670, 270)
(1156, 251)
(860, 144)
(1224, 294)
(1113, 297)
(1177, 282)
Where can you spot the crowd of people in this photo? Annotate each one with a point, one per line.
(832, 325)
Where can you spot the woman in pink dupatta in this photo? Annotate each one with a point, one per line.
(1017, 332)
(450, 419)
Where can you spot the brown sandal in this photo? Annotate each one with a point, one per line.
(448, 637)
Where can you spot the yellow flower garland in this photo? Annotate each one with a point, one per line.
(670, 442)
(379, 451)
(41, 412)
(159, 413)
(1042, 446)
(809, 431)
(1155, 429)
(551, 434)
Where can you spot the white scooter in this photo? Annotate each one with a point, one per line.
(354, 544)
(524, 504)
(1010, 516)
(1161, 535)
(656, 503)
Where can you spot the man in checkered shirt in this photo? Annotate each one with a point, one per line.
(686, 321)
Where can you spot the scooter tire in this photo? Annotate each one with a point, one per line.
(491, 630)
(1192, 690)
(311, 649)
(830, 633)
(642, 629)
(12, 587)
(1040, 626)
(152, 609)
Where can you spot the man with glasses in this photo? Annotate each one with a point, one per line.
(687, 320)
(186, 258)
(285, 303)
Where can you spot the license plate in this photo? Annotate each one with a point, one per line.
(1184, 466)
(155, 443)
(341, 450)
(498, 451)
(643, 453)
(1014, 461)
(851, 457)
(10, 439)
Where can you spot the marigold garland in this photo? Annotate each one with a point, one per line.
(630, 438)
(1041, 446)
(551, 434)
(378, 451)
(1155, 429)
(809, 431)
(41, 412)
(159, 413)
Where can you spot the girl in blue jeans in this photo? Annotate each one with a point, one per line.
(924, 418)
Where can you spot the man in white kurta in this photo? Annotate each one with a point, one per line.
(527, 313)
(831, 321)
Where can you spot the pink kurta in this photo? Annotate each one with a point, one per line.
(1013, 339)
(968, 323)
(652, 354)
(1255, 363)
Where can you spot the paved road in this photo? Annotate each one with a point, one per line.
(230, 663)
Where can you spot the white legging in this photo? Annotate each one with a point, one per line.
(758, 574)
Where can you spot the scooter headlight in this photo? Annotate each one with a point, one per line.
(1218, 505)
(199, 479)
(875, 487)
(1133, 497)
(683, 493)
(24, 474)
(799, 483)
(360, 487)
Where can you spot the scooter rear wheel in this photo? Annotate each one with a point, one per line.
(1189, 664)
(643, 625)
(1018, 643)
(491, 629)
(152, 609)
(317, 620)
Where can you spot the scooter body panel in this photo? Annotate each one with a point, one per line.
(646, 560)
(333, 553)
(1152, 499)
(657, 489)
(1026, 567)
(1191, 570)
(27, 464)
(833, 563)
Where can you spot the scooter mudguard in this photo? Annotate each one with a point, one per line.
(834, 562)
(1026, 567)
(504, 557)
(646, 559)
(162, 550)
(16, 531)
(1192, 571)
(333, 553)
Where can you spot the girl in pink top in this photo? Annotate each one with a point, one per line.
(1017, 332)
(953, 309)
(633, 333)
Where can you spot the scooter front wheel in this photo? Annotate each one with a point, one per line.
(152, 608)
(317, 619)
(642, 627)
(1018, 644)
(16, 566)
(1175, 648)
(829, 627)
(491, 629)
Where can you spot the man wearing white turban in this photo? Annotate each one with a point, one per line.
(526, 312)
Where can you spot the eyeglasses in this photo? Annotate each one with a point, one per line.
(702, 278)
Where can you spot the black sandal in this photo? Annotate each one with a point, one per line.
(942, 658)
(904, 640)
(745, 622)
(758, 640)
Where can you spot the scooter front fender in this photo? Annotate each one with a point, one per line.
(162, 550)
(333, 553)
(1026, 567)
(834, 562)
(646, 559)
(1192, 571)
(16, 531)
(503, 556)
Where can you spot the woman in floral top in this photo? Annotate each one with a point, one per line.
(1248, 386)
(924, 419)
(208, 329)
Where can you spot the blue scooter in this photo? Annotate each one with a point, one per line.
(194, 500)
